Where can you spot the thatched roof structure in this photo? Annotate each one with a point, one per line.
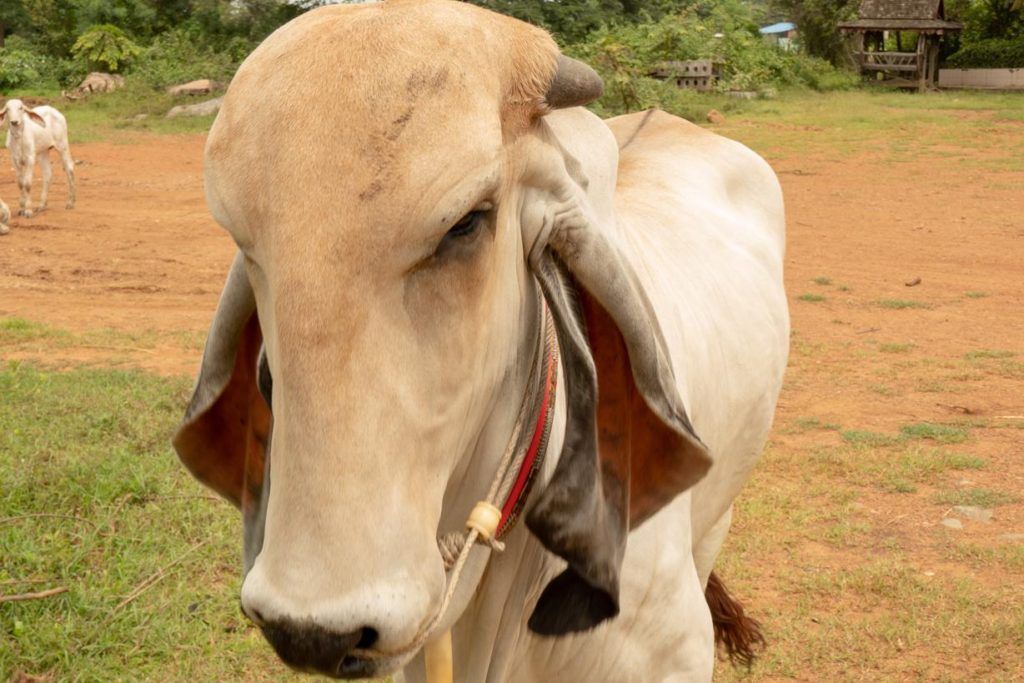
(924, 16)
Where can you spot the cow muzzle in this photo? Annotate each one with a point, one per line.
(309, 647)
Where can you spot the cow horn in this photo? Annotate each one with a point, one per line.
(574, 85)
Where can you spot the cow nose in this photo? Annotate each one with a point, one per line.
(310, 647)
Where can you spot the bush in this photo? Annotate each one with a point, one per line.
(179, 55)
(990, 54)
(23, 65)
(19, 68)
(626, 56)
(105, 47)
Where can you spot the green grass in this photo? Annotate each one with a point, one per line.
(38, 338)
(822, 280)
(985, 354)
(94, 500)
(812, 298)
(976, 295)
(867, 439)
(901, 304)
(936, 432)
(978, 497)
(813, 423)
(895, 348)
(118, 116)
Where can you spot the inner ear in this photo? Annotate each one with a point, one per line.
(36, 117)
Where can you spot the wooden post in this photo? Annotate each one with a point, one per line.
(922, 63)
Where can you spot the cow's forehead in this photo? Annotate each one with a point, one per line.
(368, 109)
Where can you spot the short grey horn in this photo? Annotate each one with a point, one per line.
(574, 85)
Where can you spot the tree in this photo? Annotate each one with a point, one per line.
(818, 24)
(106, 47)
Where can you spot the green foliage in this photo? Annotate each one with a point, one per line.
(817, 22)
(987, 19)
(19, 67)
(993, 53)
(627, 56)
(106, 46)
(181, 55)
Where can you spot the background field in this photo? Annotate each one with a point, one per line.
(900, 402)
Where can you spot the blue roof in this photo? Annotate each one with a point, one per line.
(782, 27)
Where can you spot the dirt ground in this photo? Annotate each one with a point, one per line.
(870, 352)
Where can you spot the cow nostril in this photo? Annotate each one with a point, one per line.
(368, 638)
(308, 646)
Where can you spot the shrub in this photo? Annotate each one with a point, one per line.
(19, 68)
(626, 55)
(990, 54)
(106, 47)
(179, 55)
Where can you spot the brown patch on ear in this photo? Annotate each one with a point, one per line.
(36, 117)
(225, 446)
(615, 392)
(635, 445)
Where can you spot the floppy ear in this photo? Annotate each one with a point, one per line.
(629, 447)
(225, 435)
(36, 117)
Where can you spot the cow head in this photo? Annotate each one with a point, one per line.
(16, 113)
(398, 199)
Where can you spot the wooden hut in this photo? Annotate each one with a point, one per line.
(924, 18)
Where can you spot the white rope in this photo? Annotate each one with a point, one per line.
(483, 523)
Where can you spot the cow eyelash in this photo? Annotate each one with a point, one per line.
(466, 225)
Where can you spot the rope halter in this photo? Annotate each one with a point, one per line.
(488, 523)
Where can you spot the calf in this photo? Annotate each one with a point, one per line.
(30, 136)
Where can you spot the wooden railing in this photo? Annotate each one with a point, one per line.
(890, 61)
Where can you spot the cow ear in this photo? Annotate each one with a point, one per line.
(223, 439)
(36, 117)
(630, 447)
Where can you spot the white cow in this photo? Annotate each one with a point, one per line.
(455, 285)
(31, 134)
(5, 218)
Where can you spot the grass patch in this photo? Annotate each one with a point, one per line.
(985, 354)
(92, 446)
(813, 423)
(914, 466)
(936, 432)
(983, 498)
(122, 115)
(976, 295)
(867, 439)
(18, 334)
(812, 298)
(895, 348)
(901, 304)
(822, 280)
(1011, 369)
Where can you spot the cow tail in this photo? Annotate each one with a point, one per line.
(738, 634)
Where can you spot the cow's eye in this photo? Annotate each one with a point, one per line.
(466, 225)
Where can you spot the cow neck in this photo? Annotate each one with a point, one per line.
(488, 523)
